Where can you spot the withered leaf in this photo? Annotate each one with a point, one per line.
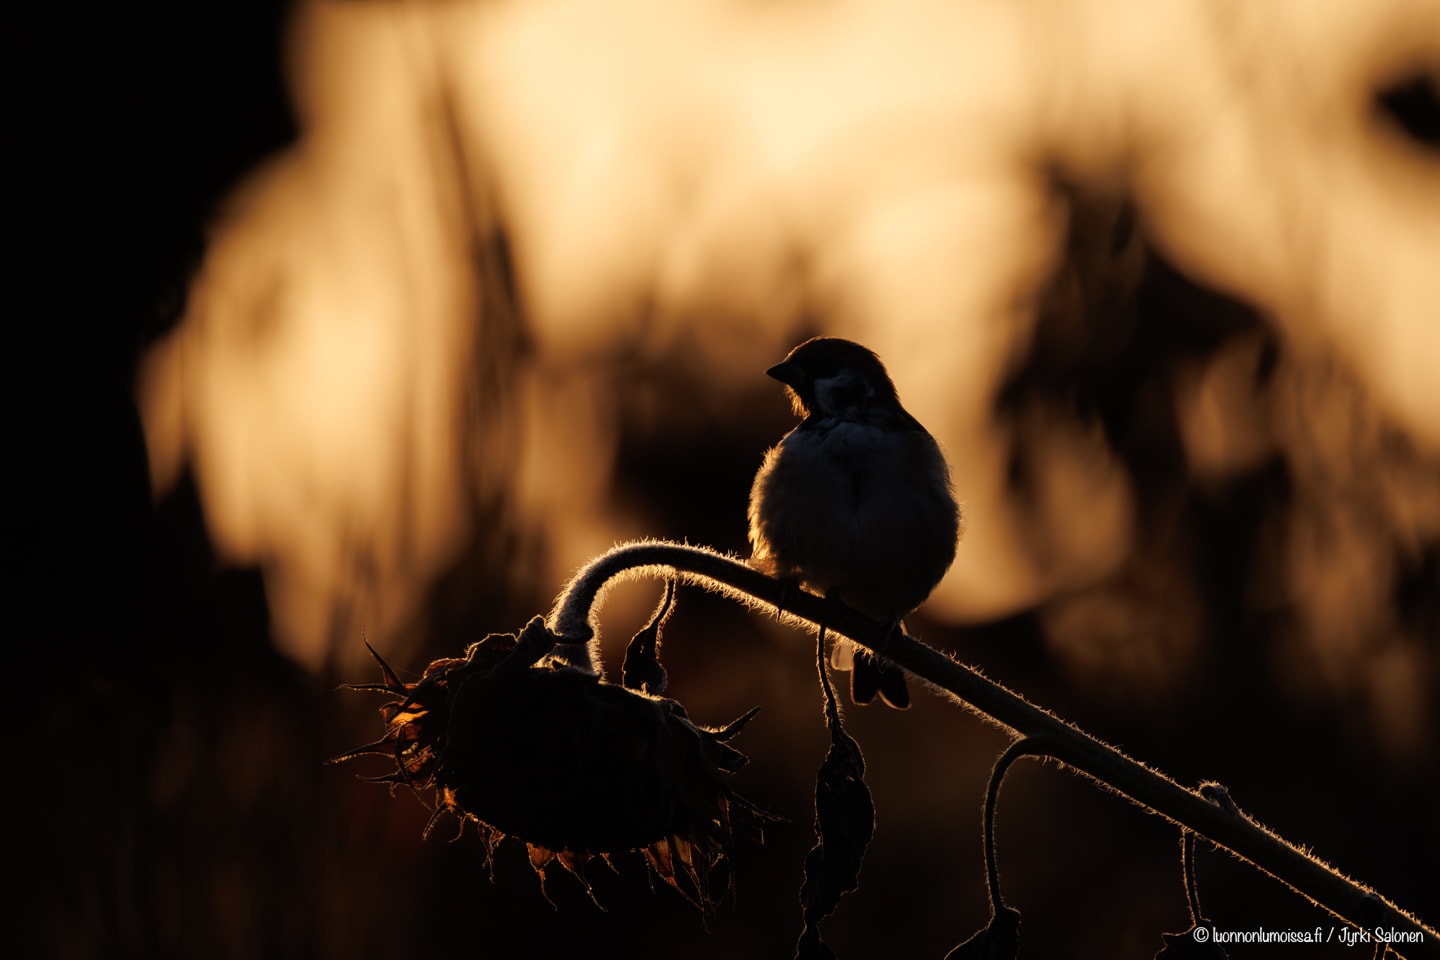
(844, 824)
(642, 670)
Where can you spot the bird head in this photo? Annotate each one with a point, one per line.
(829, 376)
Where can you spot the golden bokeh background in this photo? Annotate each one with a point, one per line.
(391, 314)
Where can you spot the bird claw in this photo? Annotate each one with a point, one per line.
(872, 674)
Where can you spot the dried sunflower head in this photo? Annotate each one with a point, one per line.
(555, 756)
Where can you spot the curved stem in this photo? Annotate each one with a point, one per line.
(1024, 747)
(1218, 820)
(832, 709)
(1187, 867)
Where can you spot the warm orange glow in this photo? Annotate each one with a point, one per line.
(720, 173)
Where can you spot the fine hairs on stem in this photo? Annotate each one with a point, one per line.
(1024, 747)
(1207, 811)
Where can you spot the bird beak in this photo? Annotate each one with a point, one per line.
(787, 373)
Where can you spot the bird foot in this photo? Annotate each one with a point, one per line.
(789, 586)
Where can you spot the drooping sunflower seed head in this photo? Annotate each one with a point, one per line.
(571, 765)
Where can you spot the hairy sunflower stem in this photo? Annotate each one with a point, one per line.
(1224, 824)
(1187, 872)
(1024, 747)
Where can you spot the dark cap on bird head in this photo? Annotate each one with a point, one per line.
(822, 357)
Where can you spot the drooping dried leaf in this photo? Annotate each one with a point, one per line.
(844, 824)
(641, 669)
(999, 940)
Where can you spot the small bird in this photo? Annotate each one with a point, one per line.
(856, 501)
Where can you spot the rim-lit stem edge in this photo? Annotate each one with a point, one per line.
(1018, 750)
(573, 621)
